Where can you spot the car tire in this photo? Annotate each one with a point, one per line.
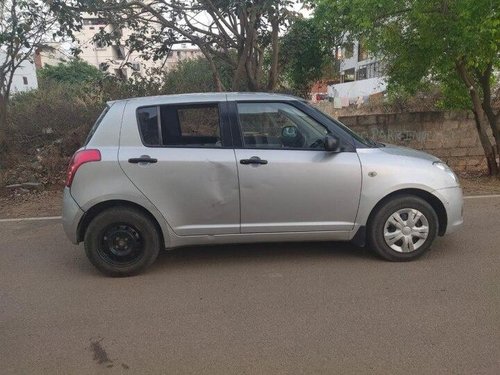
(122, 241)
(403, 228)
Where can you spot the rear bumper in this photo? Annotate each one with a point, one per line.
(71, 216)
(453, 202)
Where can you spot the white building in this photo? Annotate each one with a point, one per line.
(361, 75)
(24, 76)
(117, 59)
(51, 54)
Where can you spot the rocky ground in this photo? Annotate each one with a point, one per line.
(43, 201)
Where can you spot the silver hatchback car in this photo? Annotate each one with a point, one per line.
(196, 169)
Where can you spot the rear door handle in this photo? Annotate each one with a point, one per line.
(253, 160)
(142, 159)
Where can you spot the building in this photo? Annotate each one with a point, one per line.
(117, 59)
(180, 53)
(51, 54)
(24, 76)
(361, 75)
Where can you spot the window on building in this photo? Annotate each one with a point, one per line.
(178, 54)
(349, 50)
(180, 125)
(118, 52)
(93, 21)
(136, 66)
(348, 75)
(25, 80)
(362, 52)
(100, 44)
(361, 74)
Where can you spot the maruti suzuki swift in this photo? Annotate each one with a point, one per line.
(169, 171)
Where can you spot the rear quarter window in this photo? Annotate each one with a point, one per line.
(96, 125)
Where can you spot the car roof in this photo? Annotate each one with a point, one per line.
(208, 97)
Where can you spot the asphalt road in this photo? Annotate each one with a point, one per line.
(254, 309)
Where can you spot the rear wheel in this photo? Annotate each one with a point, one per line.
(403, 228)
(121, 241)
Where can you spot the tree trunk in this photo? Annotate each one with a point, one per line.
(3, 129)
(479, 116)
(484, 80)
(219, 87)
(489, 150)
(273, 72)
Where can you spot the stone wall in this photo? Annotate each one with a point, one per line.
(451, 136)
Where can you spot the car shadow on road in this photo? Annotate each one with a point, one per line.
(263, 252)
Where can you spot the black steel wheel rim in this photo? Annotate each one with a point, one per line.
(121, 244)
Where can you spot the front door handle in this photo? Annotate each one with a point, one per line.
(142, 159)
(253, 160)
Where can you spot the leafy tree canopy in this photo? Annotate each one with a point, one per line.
(455, 44)
(74, 72)
(304, 56)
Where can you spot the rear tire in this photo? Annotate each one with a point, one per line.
(122, 241)
(403, 228)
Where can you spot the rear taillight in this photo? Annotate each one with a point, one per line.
(79, 158)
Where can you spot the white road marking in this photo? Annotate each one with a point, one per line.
(60, 217)
(482, 196)
(31, 219)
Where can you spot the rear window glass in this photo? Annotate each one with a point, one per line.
(180, 125)
(149, 126)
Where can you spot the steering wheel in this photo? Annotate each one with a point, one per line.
(317, 143)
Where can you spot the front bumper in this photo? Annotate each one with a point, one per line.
(72, 214)
(453, 202)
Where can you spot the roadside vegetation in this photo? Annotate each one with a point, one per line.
(438, 54)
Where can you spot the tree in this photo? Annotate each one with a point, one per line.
(309, 52)
(73, 72)
(193, 75)
(440, 41)
(24, 25)
(239, 32)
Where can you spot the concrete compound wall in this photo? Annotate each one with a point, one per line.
(451, 136)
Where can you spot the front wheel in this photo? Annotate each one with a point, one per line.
(121, 241)
(403, 228)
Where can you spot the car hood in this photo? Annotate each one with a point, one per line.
(409, 152)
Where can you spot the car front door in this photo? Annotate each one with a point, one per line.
(178, 156)
(288, 182)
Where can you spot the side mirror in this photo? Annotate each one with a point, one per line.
(332, 143)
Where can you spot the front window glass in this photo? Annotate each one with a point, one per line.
(279, 125)
(349, 131)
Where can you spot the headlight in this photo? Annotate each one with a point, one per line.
(445, 168)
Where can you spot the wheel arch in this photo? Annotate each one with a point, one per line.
(430, 198)
(96, 209)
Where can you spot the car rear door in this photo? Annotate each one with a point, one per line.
(288, 182)
(181, 158)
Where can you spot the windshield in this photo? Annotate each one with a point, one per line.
(364, 140)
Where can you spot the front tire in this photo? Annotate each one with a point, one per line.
(122, 241)
(403, 228)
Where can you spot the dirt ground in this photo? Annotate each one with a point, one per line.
(49, 202)
(43, 203)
